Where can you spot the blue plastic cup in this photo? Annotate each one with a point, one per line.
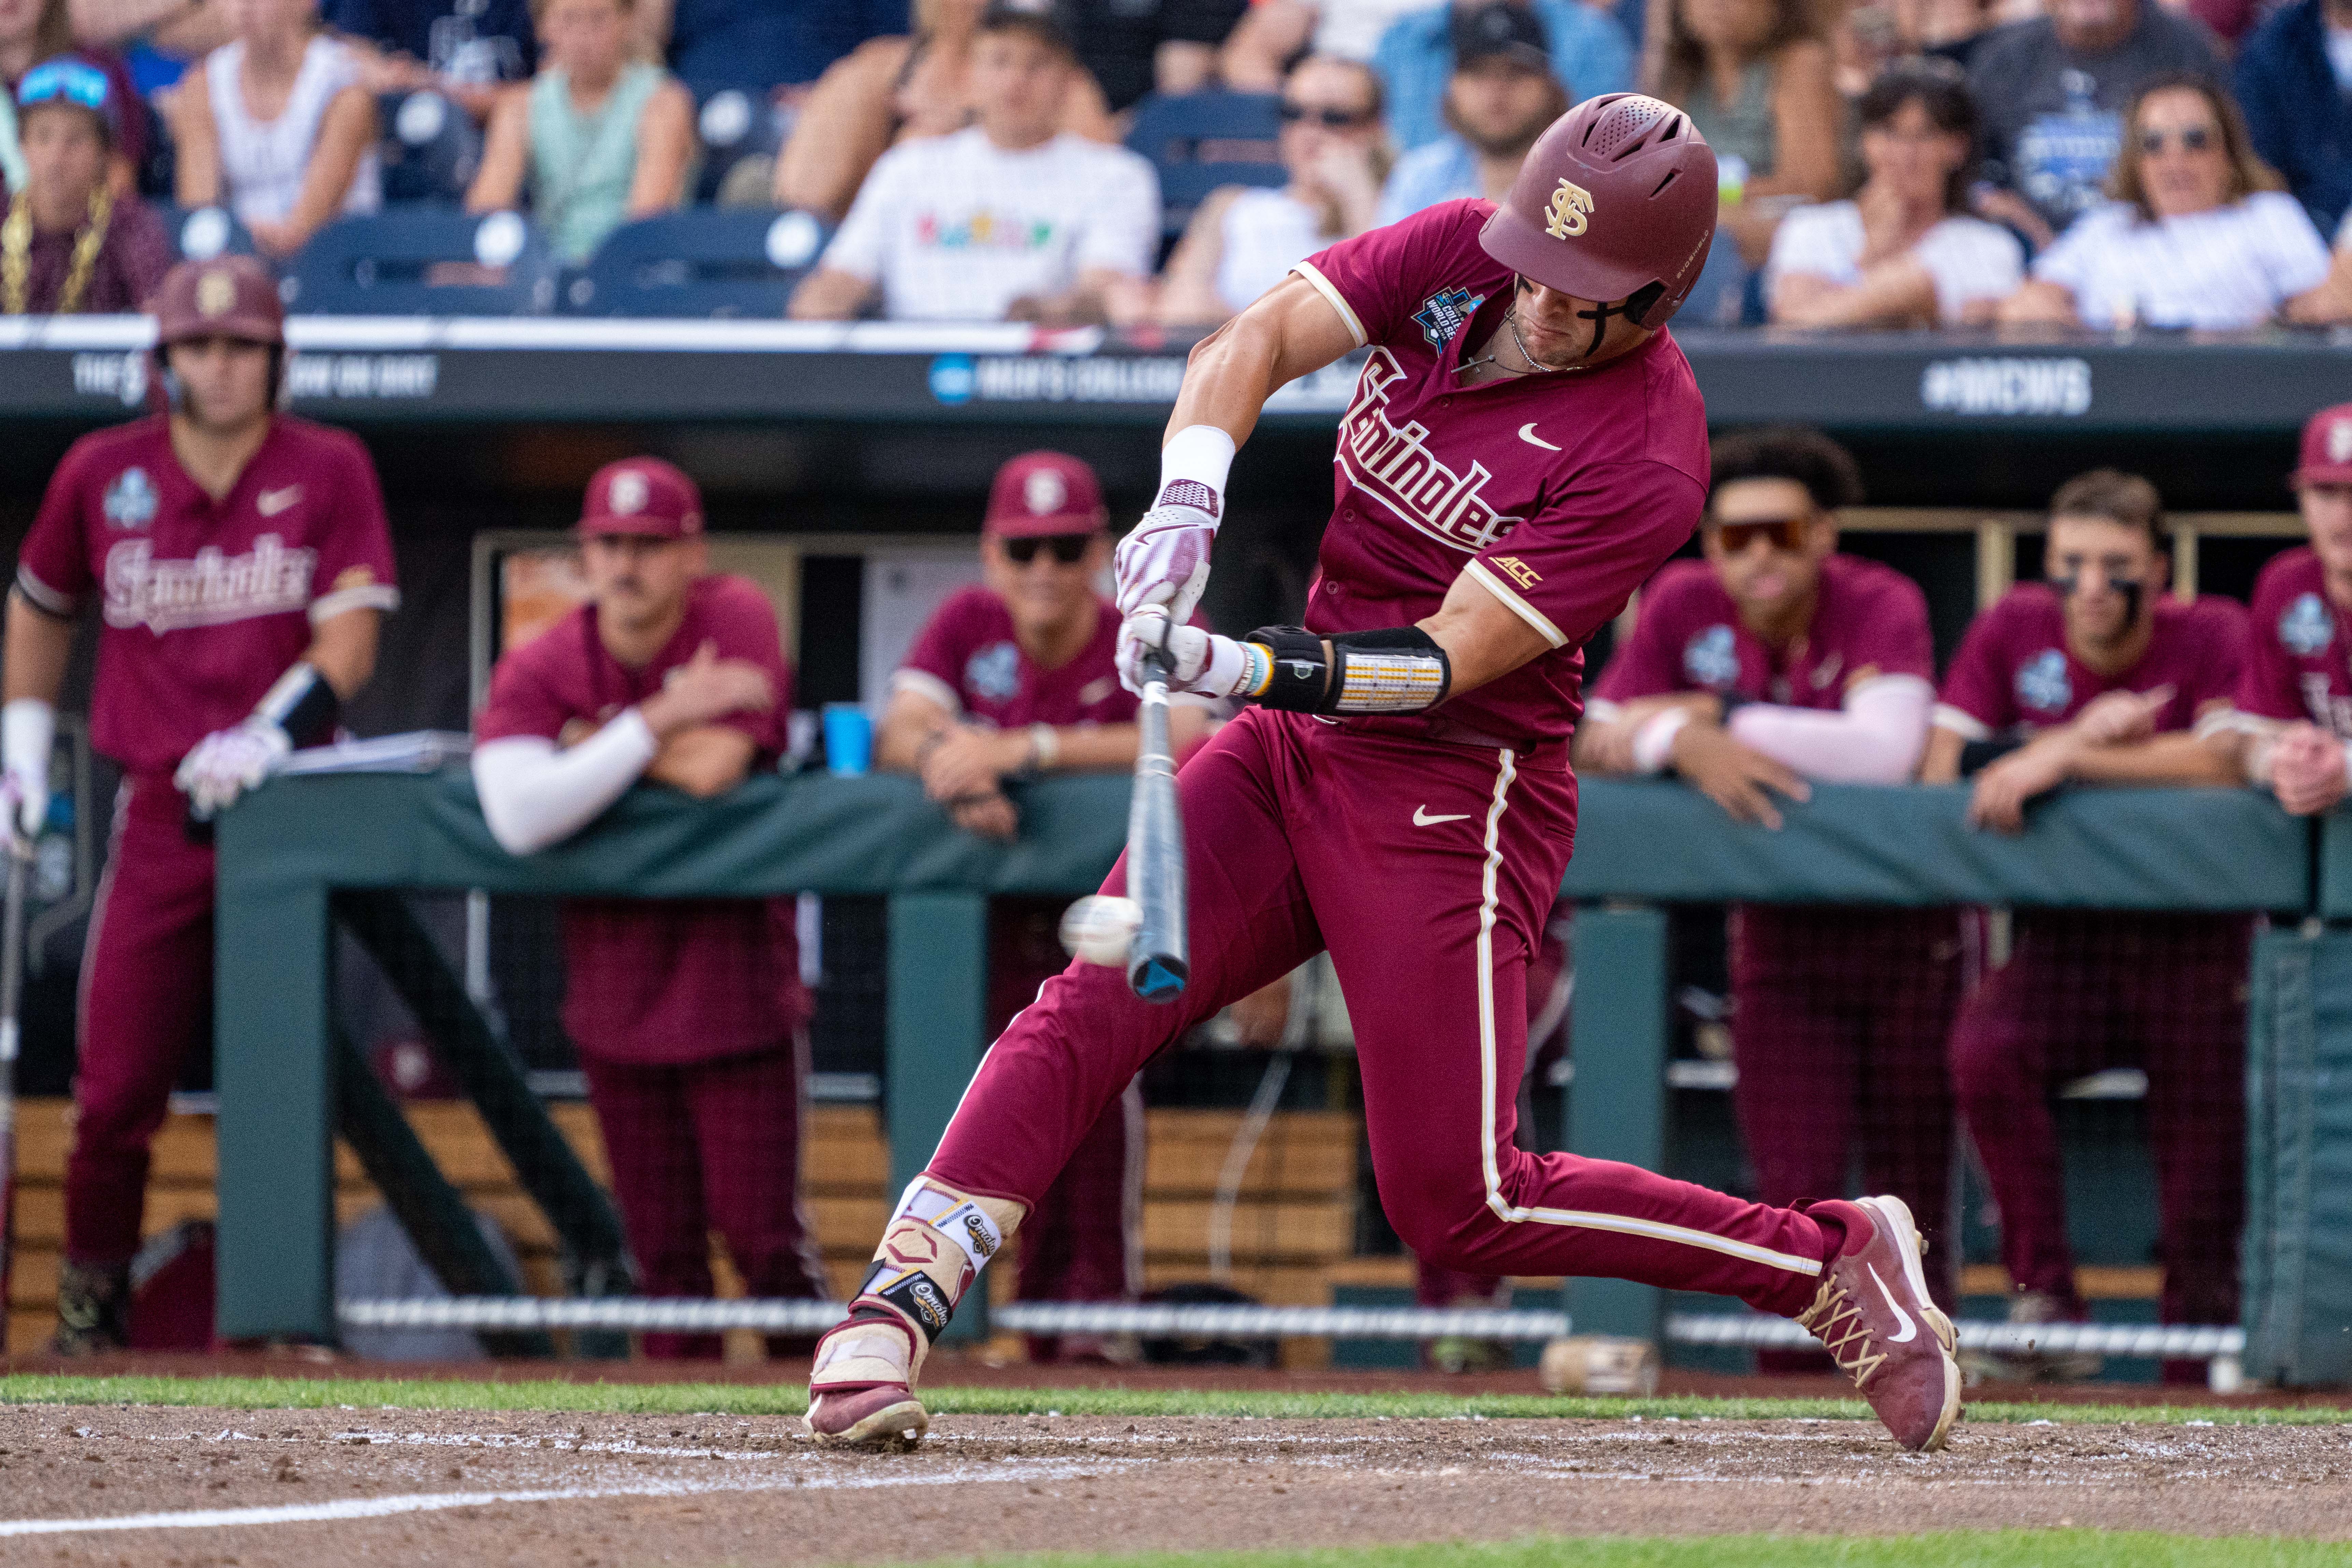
(848, 739)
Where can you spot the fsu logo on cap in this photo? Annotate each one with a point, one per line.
(2339, 441)
(1044, 492)
(1566, 218)
(629, 493)
(215, 293)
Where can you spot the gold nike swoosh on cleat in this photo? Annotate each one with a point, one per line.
(1910, 1329)
(1527, 434)
(1420, 817)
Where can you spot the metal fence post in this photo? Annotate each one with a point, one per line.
(1617, 1101)
(937, 1004)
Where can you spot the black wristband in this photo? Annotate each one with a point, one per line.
(1302, 669)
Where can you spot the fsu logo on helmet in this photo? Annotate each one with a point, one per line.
(215, 293)
(1567, 216)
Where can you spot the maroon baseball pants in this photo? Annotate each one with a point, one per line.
(696, 1146)
(146, 992)
(1426, 869)
(2083, 992)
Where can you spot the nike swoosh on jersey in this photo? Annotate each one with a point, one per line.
(1420, 817)
(1527, 434)
(269, 503)
(1910, 1329)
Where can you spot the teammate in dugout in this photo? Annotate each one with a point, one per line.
(2295, 706)
(688, 1014)
(1773, 661)
(2099, 676)
(241, 564)
(1016, 676)
(1525, 446)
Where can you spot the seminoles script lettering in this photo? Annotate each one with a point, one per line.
(210, 591)
(1399, 470)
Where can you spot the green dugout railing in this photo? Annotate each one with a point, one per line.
(290, 845)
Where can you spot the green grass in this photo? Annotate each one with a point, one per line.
(790, 1399)
(1943, 1549)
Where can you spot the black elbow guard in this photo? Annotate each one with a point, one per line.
(1395, 670)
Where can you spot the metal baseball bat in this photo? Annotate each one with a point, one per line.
(11, 993)
(1159, 962)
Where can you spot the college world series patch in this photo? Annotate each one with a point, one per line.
(1441, 314)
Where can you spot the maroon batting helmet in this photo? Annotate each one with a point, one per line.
(228, 297)
(1615, 201)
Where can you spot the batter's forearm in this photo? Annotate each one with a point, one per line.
(38, 644)
(1289, 331)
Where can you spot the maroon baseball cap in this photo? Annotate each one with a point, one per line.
(2327, 448)
(1040, 493)
(643, 495)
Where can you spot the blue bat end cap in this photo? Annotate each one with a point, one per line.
(1156, 981)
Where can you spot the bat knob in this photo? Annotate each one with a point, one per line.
(1160, 979)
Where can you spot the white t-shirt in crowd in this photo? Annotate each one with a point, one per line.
(1352, 29)
(1968, 258)
(956, 228)
(1265, 233)
(2231, 267)
(263, 162)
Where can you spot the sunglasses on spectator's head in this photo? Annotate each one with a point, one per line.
(2192, 138)
(1785, 532)
(1069, 549)
(70, 80)
(1328, 118)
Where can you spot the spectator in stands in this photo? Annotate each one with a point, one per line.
(1243, 239)
(763, 48)
(597, 140)
(1755, 78)
(1499, 98)
(1010, 219)
(2295, 83)
(465, 49)
(688, 1014)
(152, 41)
(1015, 679)
(1136, 47)
(2293, 718)
(1773, 661)
(1903, 252)
(2198, 235)
(2049, 91)
(32, 31)
(281, 133)
(1420, 56)
(68, 244)
(2100, 675)
(1276, 32)
(896, 90)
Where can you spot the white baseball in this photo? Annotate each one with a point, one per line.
(1101, 928)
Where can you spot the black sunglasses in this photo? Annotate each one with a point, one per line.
(1785, 532)
(2192, 138)
(1069, 549)
(1329, 119)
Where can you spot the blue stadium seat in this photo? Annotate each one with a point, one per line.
(199, 234)
(426, 261)
(430, 150)
(1202, 140)
(734, 126)
(702, 261)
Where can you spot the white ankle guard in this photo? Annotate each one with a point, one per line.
(935, 1245)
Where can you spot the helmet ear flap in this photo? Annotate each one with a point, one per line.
(1643, 301)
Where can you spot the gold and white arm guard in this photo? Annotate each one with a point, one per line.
(1397, 669)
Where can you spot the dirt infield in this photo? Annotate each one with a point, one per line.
(374, 1485)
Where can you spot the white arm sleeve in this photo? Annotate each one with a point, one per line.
(1876, 738)
(534, 795)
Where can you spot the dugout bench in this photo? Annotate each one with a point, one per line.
(298, 846)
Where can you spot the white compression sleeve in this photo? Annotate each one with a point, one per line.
(1876, 738)
(1198, 455)
(534, 795)
(28, 731)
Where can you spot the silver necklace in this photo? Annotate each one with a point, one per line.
(1535, 366)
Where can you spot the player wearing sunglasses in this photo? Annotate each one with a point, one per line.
(65, 244)
(1775, 660)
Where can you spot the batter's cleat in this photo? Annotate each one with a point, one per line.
(886, 1415)
(1873, 1315)
(862, 1384)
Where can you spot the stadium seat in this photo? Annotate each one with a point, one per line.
(424, 262)
(1202, 140)
(431, 147)
(199, 234)
(737, 128)
(700, 262)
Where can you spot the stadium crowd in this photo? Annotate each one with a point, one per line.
(1882, 163)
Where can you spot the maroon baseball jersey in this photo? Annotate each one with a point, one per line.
(1868, 619)
(682, 978)
(2013, 670)
(203, 603)
(2296, 666)
(968, 662)
(1559, 494)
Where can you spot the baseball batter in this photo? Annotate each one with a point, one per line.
(240, 564)
(1525, 445)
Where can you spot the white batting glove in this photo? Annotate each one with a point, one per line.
(1199, 661)
(1164, 559)
(227, 762)
(28, 728)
